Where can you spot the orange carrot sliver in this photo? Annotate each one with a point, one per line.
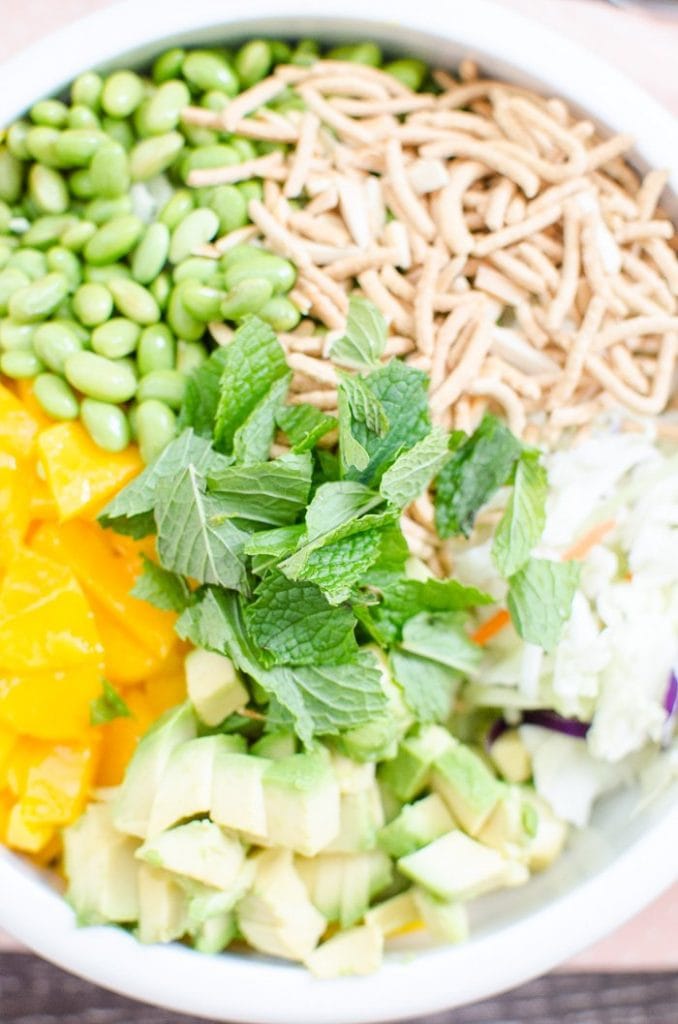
(494, 625)
(590, 539)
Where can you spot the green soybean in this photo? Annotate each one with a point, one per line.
(122, 93)
(197, 136)
(11, 280)
(47, 230)
(150, 256)
(54, 343)
(75, 147)
(190, 355)
(80, 184)
(16, 140)
(358, 53)
(37, 300)
(114, 240)
(176, 208)
(160, 289)
(168, 386)
(179, 319)
(75, 327)
(20, 364)
(202, 301)
(245, 148)
(247, 296)
(197, 268)
(156, 349)
(11, 175)
(207, 157)
(92, 304)
(115, 338)
(100, 210)
(244, 261)
(77, 235)
(107, 272)
(215, 100)
(156, 426)
(305, 52)
(97, 377)
(16, 336)
(50, 112)
(251, 189)
(106, 424)
(230, 206)
(47, 189)
(253, 62)
(280, 50)
(153, 156)
(110, 171)
(86, 89)
(199, 227)
(409, 71)
(119, 131)
(55, 397)
(162, 111)
(82, 117)
(168, 65)
(65, 262)
(280, 314)
(206, 69)
(134, 301)
(31, 261)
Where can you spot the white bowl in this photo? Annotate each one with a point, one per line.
(625, 859)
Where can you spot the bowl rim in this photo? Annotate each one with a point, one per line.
(260, 992)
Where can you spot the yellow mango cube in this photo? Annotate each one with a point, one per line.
(57, 788)
(49, 705)
(26, 836)
(18, 428)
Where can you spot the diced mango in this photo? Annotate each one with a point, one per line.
(45, 621)
(6, 805)
(81, 476)
(107, 570)
(8, 742)
(50, 705)
(126, 662)
(26, 754)
(18, 428)
(42, 504)
(57, 788)
(120, 737)
(15, 505)
(25, 836)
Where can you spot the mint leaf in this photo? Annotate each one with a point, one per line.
(478, 468)
(161, 588)
(407, 598)
(336, 503)
(253, 438)
(352, 454)
(304, 425)
(194, 537)
(412, 472)
(363, 344)
(441, 638)
(201, 398)
(268, 546)
(131, 511)
(108, 706)
(363, 404)
(540, 600)
(429, 687)
(522, 524)
(294, 566)
(294, 623)
(205, 623)
(338, 566)
(273, 493)
(252, 363)
(389, 566)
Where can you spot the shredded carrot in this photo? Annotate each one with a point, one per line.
(494, 625)
(589, 540)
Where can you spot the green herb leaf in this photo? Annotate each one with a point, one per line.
(337, 503)
(205, 623)
(522, 524)
(478, 468)
(407, 598)
(194, 537)
(268, 546)
(363, 344)
(412, 472)
(304, 425)
(273, 493)
(295, 566)
(429, 687)
(161, 588)
(252, 362)
(108, 706)
(352, 454)
(441, 638)
(337, 567)
(201, 398)
(389, 566)
(540, 600)
(253, 438)
(294, 623)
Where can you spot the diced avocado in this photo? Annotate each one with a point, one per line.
(408, 773)
(101, 869)
(199, 850)
(445, 920)
(216, 933)
(417, 825)
(511, 825)
(206, 902)
(274, 745)
(389, 801)
(549, 834)
(185, 788)
(237, 799)
(394, 915)
(378, 739)
(511, 757)
(467, 786)
(163, 906)
(301, 797)
(342, 885)
(132, 806)
(276, 916)
(352, 776)
(361, 815)
(356, 951)
(215, 688)
(456, 867)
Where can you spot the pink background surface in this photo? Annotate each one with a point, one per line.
(645, 46)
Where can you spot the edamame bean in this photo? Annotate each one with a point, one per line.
(205, 70)
(41, 144)
(244, 261)
(252, 189)
(16, 140)
(115, 338)
(107, 272)
(156, 426)
(11, 175)
(11, 280)
(32, 262)
(153, 156)
(92, 304)
(76, 328)
(202, 301)
(218, 155)
(104, 379)
(37, 300)
(134, 301)
(74, 147)
(176, 208)
(114, 240)
(86, 89)
(357, 53)
(53, 113)
(409, 71)
(245, 148)
(66, 263)
(306, 52)
(198, 227)
(80, 184)
(55, 397)
(179, 319)
(47, 189)
(155, 351)
(83, 117)
(160, 289)
(16, 336)
(162, 111)
(20, 364)
(230, 206)
(196, 136)
(197, 268)
(106, 424)
(247, 296)
(253, 62)
(122, 93)
(119, 131)
(280, 314)
(76, 236)
(190, 355)
(168, 386)
(168, 65)
(150, 256)
(280, 50)
(5, 253)
(54, 343)
(101, 210)
(47, 230)
(215, 100)
(109, 170)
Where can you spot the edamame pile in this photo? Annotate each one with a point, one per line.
(102, 298)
